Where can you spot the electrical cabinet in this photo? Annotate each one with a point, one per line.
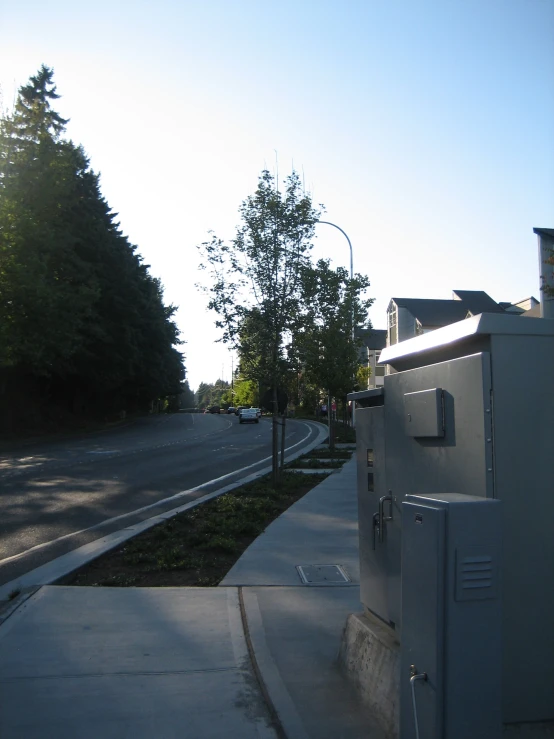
(375, 586)
(450, 668)
(469, 409)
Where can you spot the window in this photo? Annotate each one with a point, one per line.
(379, 370)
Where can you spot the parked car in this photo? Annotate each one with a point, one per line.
(249, 415)
(231, 409)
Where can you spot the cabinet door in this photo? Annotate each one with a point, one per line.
(372, 487)
(451, 403)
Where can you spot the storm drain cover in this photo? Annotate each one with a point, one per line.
(322, 574)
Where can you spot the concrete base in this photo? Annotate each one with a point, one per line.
(370, 657)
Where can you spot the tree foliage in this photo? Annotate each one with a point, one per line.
(256, 287)
(81, 319)
(292, 322)
(333, 309)
(210, 394)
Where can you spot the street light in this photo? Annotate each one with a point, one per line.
(351, 262)
(349, 244)
(328, 223)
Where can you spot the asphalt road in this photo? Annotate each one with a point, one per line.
(57, 496)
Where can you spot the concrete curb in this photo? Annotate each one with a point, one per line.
(279, 697)
(51, 572)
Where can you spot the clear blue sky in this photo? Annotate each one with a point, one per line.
(426, 129)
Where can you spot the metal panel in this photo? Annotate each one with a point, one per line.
(460, 461)
(461, 338)
(424, 413)
(476, 575)
(450, 543)
(422, 620)
(370, 435)
(523, 415)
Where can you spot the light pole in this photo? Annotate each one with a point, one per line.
(328, 223)
(349, 244)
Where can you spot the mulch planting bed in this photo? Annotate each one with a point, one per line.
(197, 547)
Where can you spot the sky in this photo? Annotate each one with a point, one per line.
(426, 128)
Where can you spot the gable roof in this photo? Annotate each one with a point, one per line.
(477, 301)
(544, 232)
(434, 312)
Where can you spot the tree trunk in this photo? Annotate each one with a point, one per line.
(275, 440)
(283, 426)
(330, 421)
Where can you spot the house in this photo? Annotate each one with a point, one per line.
(374, 340)
(409, 317)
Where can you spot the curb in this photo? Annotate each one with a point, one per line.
(57, 569)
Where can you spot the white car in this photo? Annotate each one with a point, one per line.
(248, 415)
(258, 411)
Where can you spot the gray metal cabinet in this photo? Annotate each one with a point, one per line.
(449, 406)
(451, 611)
(495, 375)
(375, 586)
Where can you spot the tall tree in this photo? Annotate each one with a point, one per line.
(81, 318)
(259, 274)
(334, 309)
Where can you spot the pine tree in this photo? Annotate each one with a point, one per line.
(80, 315)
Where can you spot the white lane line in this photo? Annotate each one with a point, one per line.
(182, 494)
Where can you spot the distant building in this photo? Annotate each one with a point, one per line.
(409, 317)
(374, 340)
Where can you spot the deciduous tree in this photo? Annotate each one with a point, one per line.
(257, 276)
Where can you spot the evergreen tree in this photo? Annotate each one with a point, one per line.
(81, 318)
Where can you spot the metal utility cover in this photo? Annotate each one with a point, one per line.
(322, 574)
(423, 414)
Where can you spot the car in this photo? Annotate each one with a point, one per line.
(239, 409)
(231, 409)
(248, 415)
(214, 409)
(258, 411)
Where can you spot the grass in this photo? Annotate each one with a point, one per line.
(326, 454)
(316, 463)
(197, 547)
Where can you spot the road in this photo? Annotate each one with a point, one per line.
(56, 496)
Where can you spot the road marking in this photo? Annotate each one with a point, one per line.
(182, 494)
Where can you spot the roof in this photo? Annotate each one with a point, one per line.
(433, 312)
(477, 301)
(373, 338)
(544, 232)
(437, 313)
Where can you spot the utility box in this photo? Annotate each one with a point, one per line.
(375, 590)
(451, 656)
(469, 408)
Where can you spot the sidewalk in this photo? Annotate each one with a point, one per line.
(158, 663)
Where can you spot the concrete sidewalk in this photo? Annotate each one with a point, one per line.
(255, 657)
